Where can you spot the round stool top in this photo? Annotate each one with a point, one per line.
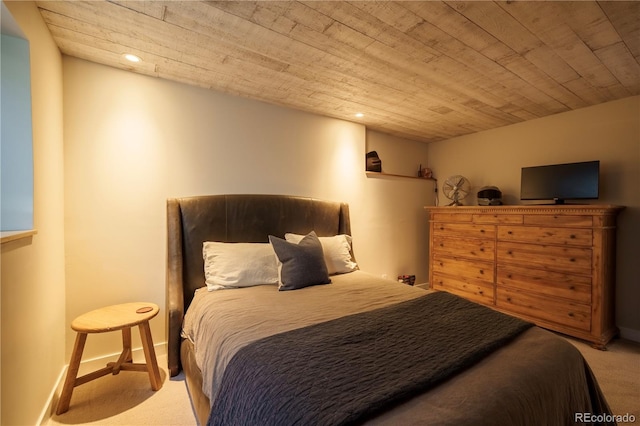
(115, 317)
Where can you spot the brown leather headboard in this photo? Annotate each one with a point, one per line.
(232, 218)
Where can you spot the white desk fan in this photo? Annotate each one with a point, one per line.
(456, 188)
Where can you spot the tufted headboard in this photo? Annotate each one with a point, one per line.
(231, 218)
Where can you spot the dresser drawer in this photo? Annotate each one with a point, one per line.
(463, 230)
(465, 247)
(451, 217)
(558, 220)
(557, 311)
(497, 218)
(549, 258)
(576, 288)
(546, 235)
(478, 291)
(463, 269)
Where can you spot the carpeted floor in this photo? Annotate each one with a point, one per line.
(127, 399)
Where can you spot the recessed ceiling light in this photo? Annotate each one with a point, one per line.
(359, 115)
(131, 58)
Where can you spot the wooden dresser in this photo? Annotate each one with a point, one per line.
(551, 265)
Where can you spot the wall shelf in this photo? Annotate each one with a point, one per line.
(382, 175)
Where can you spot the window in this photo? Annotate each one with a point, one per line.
(16, 138)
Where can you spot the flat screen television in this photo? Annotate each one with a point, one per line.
(560, 182)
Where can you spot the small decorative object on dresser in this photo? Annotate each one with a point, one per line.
(552, 265)
(489, 196)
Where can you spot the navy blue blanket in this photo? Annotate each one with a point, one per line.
(348, 370)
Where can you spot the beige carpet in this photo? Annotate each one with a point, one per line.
(618, 372)
(127, 399)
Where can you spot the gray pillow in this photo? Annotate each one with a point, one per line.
(302, 264)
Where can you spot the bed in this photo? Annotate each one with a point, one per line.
(345, 347)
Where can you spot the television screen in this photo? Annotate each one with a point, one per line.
(559, 182)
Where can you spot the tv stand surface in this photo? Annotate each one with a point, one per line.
(550, 264)
(563, 203)
(555, 202)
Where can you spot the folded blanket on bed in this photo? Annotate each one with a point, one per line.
(348, 370)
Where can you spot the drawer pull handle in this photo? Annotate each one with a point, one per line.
(482, 231)
(481, 292)
(509, 276)
(508, 299)
(510, 232)
(572, 287)
(572, 260)
(481, 272)
(482, 249)
(571, 314)
(573, 237)
(441, 245)
(509, 252)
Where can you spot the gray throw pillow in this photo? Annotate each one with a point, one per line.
(302, 264)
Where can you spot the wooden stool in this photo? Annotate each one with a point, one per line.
(112, 318)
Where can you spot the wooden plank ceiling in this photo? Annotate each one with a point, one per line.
(423, 70)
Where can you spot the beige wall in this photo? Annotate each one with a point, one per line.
(608, 132)
(398, 219)
(133, 141)
(33, 281)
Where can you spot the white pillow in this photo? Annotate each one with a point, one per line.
(234, 265)
(337, 252)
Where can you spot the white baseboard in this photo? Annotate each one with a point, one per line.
(87, 366)
(52, 400)
(630, 334)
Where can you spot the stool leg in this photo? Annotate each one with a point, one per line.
(126, 355)
(126, 343)
(72, 373)
(150, 355)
